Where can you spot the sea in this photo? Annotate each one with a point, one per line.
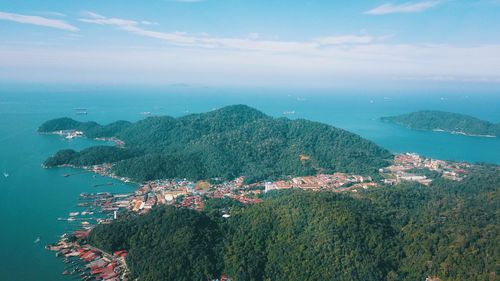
(32, 198)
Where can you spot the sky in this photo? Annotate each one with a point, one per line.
(266, 43)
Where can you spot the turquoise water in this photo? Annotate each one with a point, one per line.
(32, 198)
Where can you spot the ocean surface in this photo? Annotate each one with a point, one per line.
(32, 198)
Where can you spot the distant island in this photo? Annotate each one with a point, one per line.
(455, 123)
(226, 143)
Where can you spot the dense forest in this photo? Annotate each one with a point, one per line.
(91, 129)
(449, 230)
(167, 244)
(227, 143)
(446, 121)
(89, 156)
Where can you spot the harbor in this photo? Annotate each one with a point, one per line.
(82, 260)
(87, 262)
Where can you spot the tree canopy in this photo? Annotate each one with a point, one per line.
(227, 143)
(449, 230)
(446, 121)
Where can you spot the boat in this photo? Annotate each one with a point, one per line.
(37, 240)
(5, 174)
(145, 113)
(289, 112)
(81, 111)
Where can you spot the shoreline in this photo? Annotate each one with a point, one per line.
(457, 133)
(438, 130)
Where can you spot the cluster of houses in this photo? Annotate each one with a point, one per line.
(409, 167)
(187, 194)
(334, 182)
(87, 262)
(190, 194)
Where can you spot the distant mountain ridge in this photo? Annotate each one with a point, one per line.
(430, 120)
(229, 142)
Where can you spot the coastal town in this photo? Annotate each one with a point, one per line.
(412, 167)
(103, 207)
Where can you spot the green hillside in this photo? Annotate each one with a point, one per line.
(229, 142)
(409, 232)
(445, 121)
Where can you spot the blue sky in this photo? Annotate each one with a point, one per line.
(321, 43)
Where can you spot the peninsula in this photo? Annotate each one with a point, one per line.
(226, 143)
(454, 123)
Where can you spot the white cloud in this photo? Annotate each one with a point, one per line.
(145, 22)
(402, 8)
(357, 64)
(345, 39)
(253, 35)
(320, 59)
(36, 20)
(251, 42)
(51, 14)
(249, 60)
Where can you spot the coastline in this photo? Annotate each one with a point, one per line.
(438, 130)
(70, 134)
(457, 133)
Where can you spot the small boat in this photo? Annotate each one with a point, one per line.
(289, 112)
(37, 240)
(5, 174)
(145, 113)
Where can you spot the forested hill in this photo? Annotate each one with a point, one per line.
(229, 142)
(408, 232)
(445, 121)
